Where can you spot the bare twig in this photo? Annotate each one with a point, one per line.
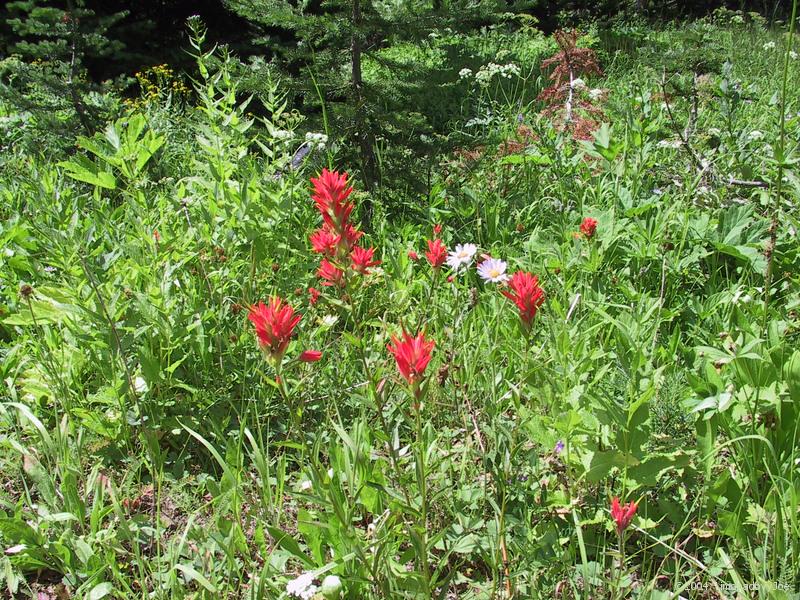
(703, 164)
(474, 424)
(689, 130)
(746, 183)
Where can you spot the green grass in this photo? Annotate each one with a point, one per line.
(146, 449)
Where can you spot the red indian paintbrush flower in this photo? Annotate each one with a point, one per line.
(588, 226)
(437, 229)
(526, 294)
(330, 196)
(413, 255)
(361, 260)
(313, 295)
(412, 355)
(437, 253)
(310, 355)
(622, 514)
(274, 323)
(324, 241)
(331, 274)
(349, 236)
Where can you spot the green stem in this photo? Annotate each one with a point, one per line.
(392, 450)
(421, 481)
(621, 543)
(780, 150)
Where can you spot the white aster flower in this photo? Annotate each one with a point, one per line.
(461, 256)
(493, 270)
(302, 587)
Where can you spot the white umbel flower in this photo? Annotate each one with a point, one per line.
(461, 256)
(493, 270)
(302, 587)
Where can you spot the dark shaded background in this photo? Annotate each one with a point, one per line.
(154, 31)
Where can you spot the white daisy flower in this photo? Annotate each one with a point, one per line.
(302, 587)
(462, 255)
(493, 270)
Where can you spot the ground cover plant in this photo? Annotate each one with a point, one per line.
(567, 368)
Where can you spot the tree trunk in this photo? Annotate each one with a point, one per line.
(77, 103)
(365, 137)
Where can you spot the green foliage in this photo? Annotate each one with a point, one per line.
(149, 449)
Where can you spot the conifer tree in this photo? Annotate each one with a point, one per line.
(329, 40)
(45, 73)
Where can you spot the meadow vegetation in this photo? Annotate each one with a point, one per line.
(553, 353)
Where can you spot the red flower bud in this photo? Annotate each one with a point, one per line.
(437, 253)
(622, 514)
(310, 356)
(588, 227)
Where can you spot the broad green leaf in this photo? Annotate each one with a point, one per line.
(287, 542)
(101, 590)
(599, 464)
(83, 169)
(192, 574)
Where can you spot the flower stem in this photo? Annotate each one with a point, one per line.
(621, 545)
(421, 482)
